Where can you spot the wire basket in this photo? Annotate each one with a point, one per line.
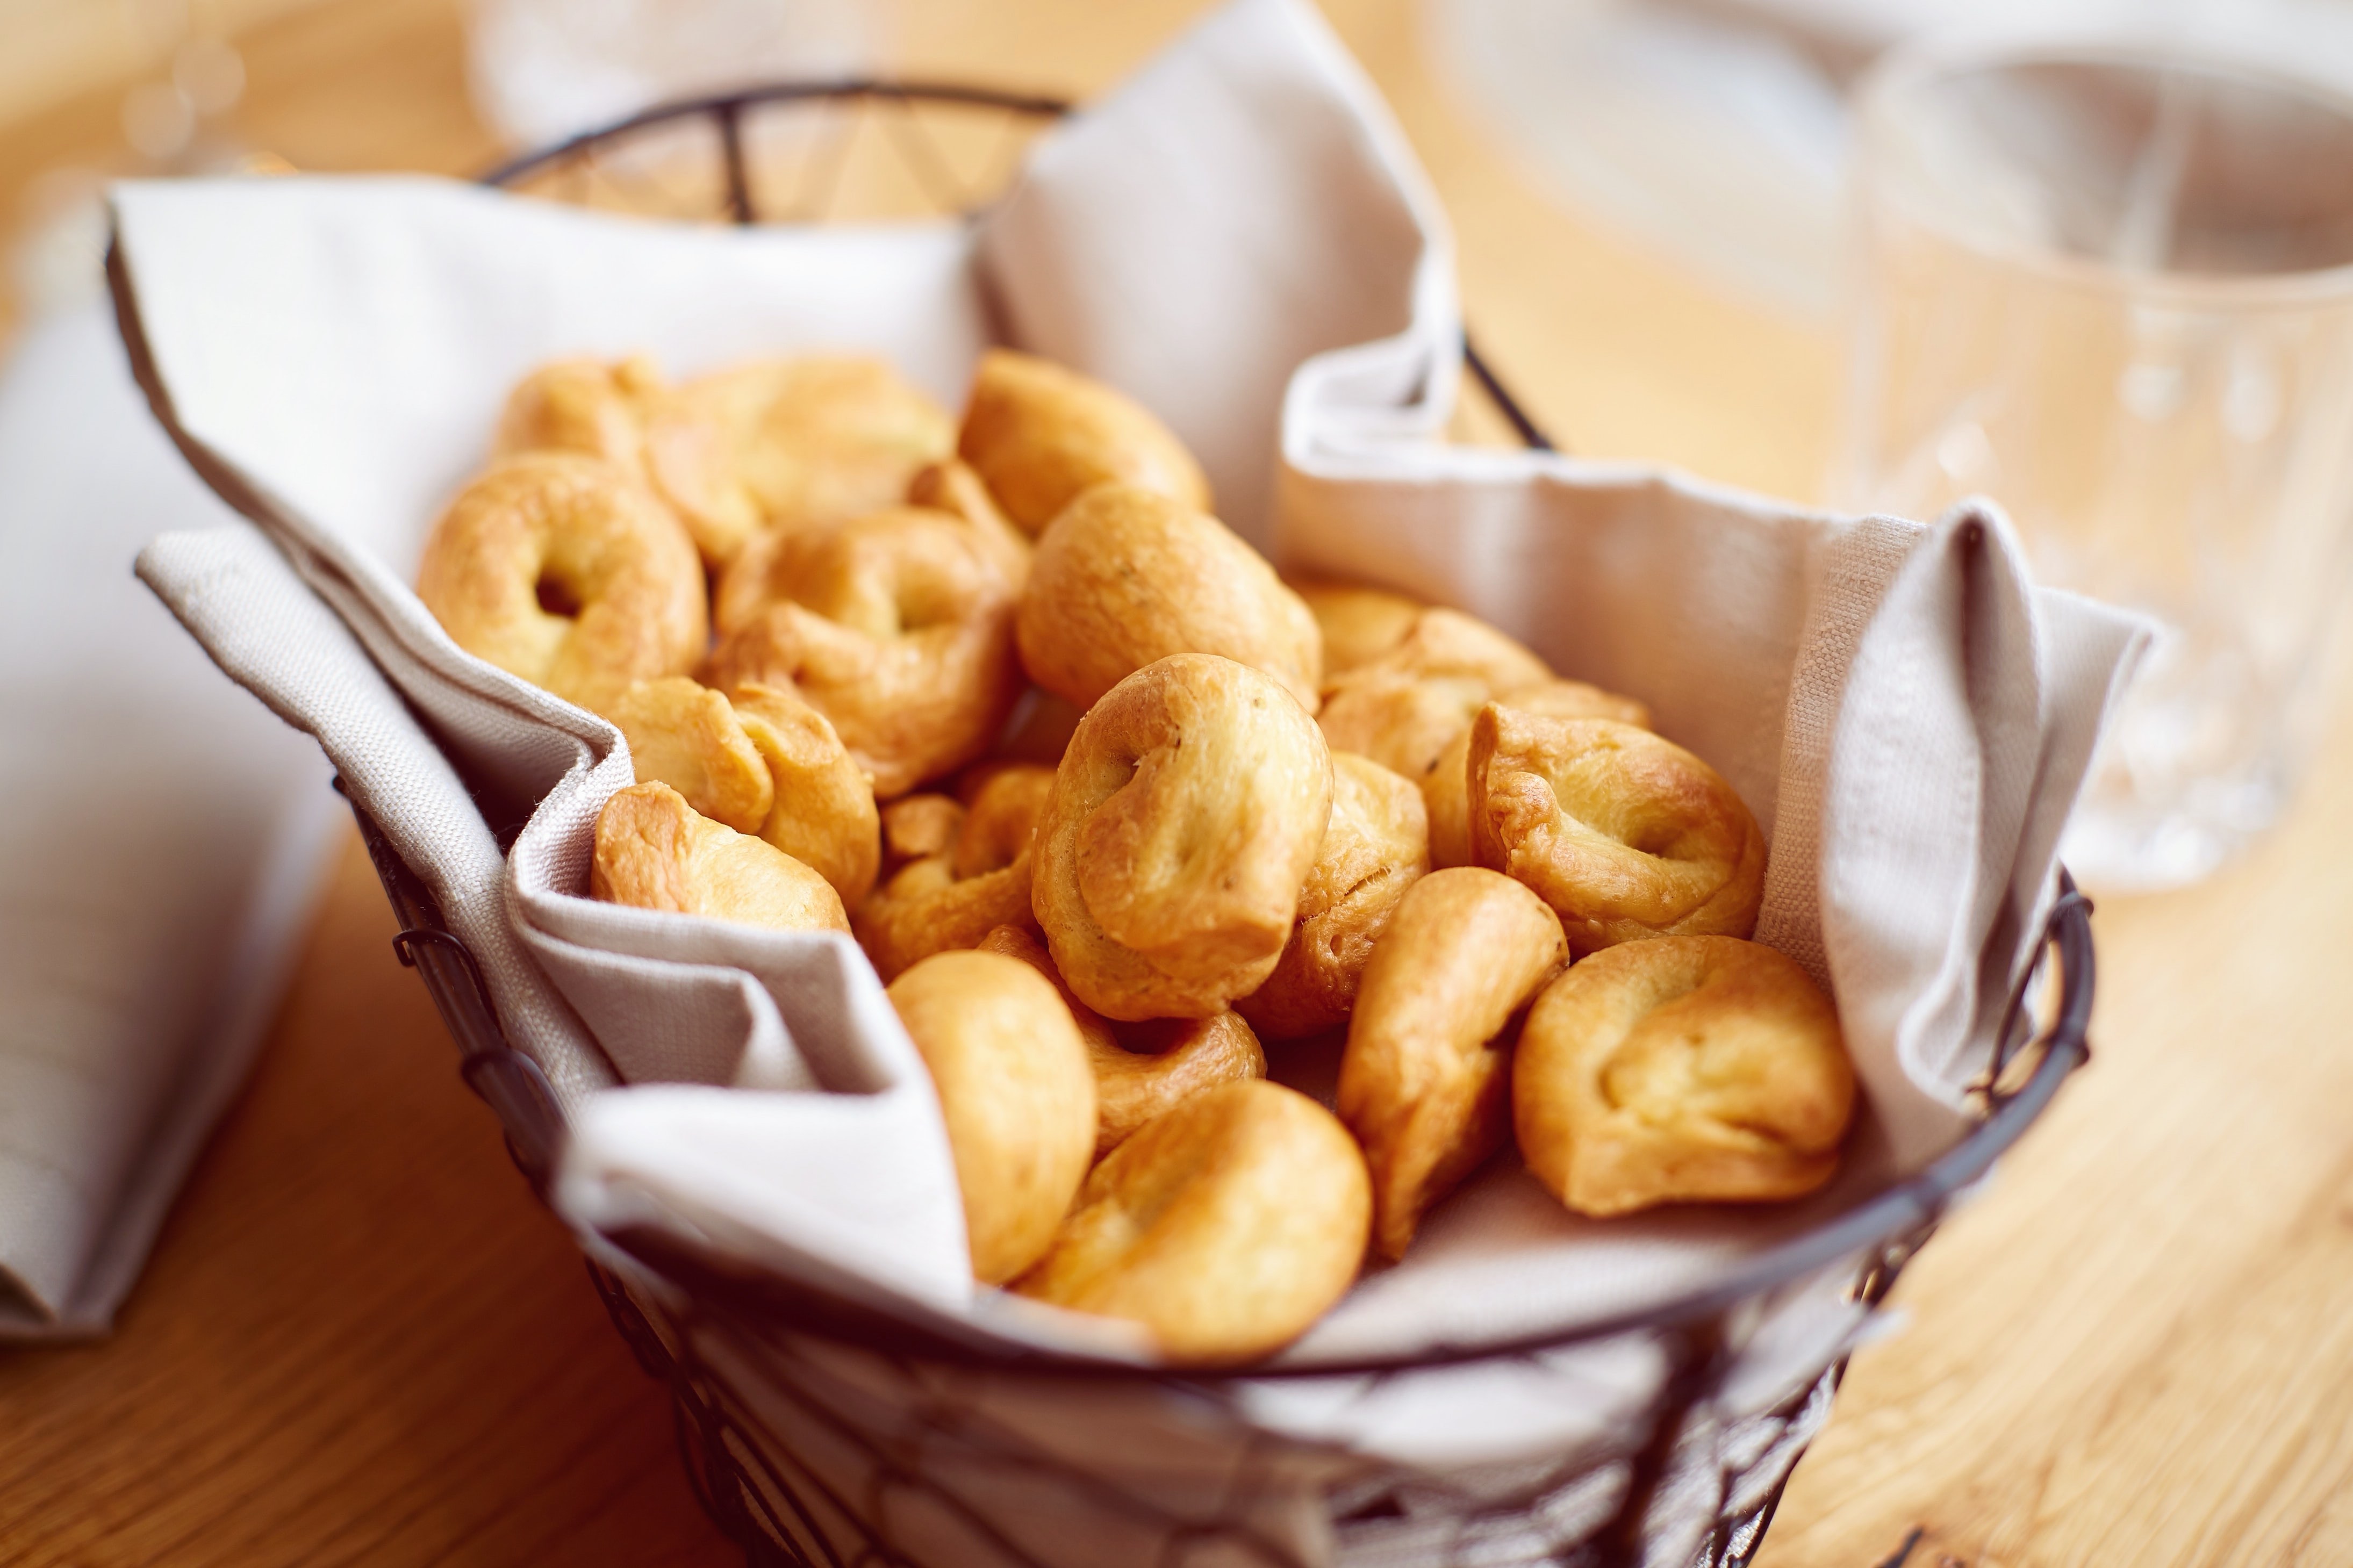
(819, 1429)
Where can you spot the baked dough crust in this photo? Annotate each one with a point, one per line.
(1225, 1227)
(1142, 1070)
(1374, 849)
(561, 569)
(1039, 435)
(1125, 576)
(1686, 1070)
(1425, 1080)
(1181, 824)
(979, 881)
(656, 852)
(898, 628)
(1014, 1091)
(1624, 834)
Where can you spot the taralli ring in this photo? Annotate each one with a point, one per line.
(898, 628)
(791, 444)
(1691, 1069)
(1425, 1080)
(1015, 1092)
(1039, 435)
(1225, 1227)
(1182, 822)
(1143, 1070)
(1444, 789)
(977, 881)
(1373, 850)
(656, 852)
(563, 570)
(1625, 835)
(1126, 577)
(761, 760)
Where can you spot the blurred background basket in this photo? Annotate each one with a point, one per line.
(819, 1430)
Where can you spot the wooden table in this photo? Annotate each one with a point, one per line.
(359, 1340)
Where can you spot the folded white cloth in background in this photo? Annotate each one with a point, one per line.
(160, 843)
(1908, 717)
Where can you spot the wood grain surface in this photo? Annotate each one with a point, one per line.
(361, 1342)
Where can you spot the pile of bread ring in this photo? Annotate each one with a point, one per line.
(1114, 809)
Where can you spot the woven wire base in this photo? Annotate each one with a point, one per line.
(820, 1432)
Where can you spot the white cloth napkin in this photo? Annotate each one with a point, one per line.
(160, 847)
(1905, 713)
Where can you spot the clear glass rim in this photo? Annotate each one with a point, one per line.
(1913, 66)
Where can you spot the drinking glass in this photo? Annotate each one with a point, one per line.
(2114, 290)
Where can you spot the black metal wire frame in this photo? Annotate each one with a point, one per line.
(726, 113)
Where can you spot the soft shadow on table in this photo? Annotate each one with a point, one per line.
(360, 1338)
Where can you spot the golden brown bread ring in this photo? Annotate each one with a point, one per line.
(1686, 1070)
(1403, 704)
(1359, 625)
(656, 852)
(1142, 1070)
(761, 760)
(592, 406)
(785, 444)
(976, 882)
(1226, 1227)
(1182, 821)
(1039, 435)
(560, 569)
(1125, 577)
(1444, 789)
(951, 487)
(1374, 849)
(898, 628)
(1625, 835)
(1015, 1093)
(1425, 1080)
(915, 826)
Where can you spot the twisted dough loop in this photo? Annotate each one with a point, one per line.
(1182, 822)
(1402, 704)
(1625, 835)
(1445, 788)
(898, 628)
(761, 760)
(977, 880)
(656, 852)
(1374, 849)
(1142, 1070)
(1038, 435)
(1695, 1068)
(558, 568)
(791, 444)
(1425, 1080)
(1226, 1227)
(1125, 577)
(1014, 1091)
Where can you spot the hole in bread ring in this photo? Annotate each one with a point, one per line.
(562, 570)
(1696, 1068)
(898, 628)
(1182, 822)
(1624, 834)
